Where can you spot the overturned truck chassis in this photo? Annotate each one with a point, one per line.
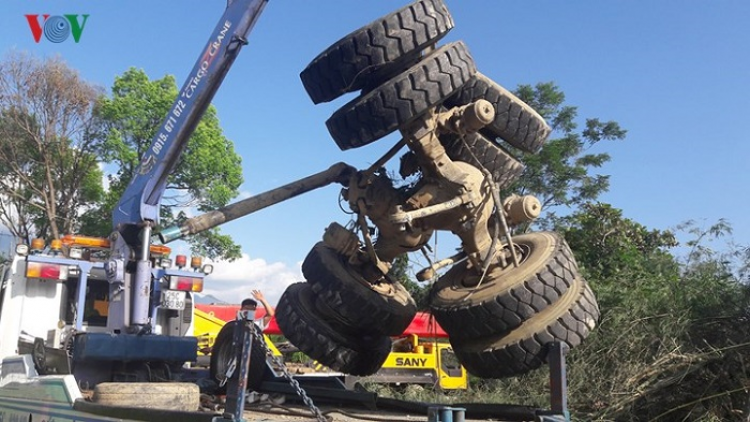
(503, 298)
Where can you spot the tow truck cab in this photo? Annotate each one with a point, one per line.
(55, 302)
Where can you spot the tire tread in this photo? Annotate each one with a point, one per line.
(503, 167)
(358, 305)
(571, 328)
(509, 309)
(325, 342)
(515, 121)
(385, 46)
(403, 98)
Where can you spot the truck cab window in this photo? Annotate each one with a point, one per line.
(96, 308)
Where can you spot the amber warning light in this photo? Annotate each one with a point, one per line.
(74, 240)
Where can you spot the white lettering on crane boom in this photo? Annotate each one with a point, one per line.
(205, 62)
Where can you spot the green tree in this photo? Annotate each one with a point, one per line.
(49, 174)
(206, 177)
(672, 342)
(561, 174)
(400, 272)
(606, 244)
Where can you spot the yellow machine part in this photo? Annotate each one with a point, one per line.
(207, 327)
(102, 306)
(411, 353)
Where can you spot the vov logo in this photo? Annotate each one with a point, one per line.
(57, 28)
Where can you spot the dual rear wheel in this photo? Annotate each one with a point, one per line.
(325, 339)
(339, 318)
(499, 325)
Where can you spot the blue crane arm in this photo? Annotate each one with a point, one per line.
(141, 200)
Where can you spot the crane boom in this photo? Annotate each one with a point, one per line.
(141, 199)
(129, 270)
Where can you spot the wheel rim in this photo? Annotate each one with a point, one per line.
(467, 283)
(385, 308)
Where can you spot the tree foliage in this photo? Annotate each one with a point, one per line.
(206, 177)
(676, 342)
(673, 341)
(561, 174)
(400, 272)
(49, 175)
(606, 243)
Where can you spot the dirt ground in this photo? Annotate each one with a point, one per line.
(277, 407)
(298, 412)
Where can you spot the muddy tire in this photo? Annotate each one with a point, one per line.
(515, 122)
(569, 320)
(385, 309)
(325, 340)
(403, 98)
(480, 152)
(222, 353)
(166, 396)
(376, 52)
(506, 297)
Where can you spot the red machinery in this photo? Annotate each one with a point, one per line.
(423, 324)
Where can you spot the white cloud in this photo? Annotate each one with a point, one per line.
(233, 281)
(105, 178)
(242, 195)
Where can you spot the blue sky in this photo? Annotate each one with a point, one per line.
(673, 73)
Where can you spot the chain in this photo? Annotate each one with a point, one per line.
(68, 343)
(293, 382)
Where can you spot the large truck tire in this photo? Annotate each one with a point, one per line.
(403, 98)
(377, 51)
(480, 152)
(515, 122)
(223, 353)
(384, 309)
(569, 320)
(160, 395)
(325, 340)
(506, 297)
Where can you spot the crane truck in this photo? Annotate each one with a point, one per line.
(73, 326)
(502, 299)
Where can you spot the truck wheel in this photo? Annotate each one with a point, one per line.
(403, 98)
(223, 353)
(515, 122)
(507, 296)
(324, 340)
(382, 309)
(478, 151)
(160, 395)
(377, 51)
(570, 320)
